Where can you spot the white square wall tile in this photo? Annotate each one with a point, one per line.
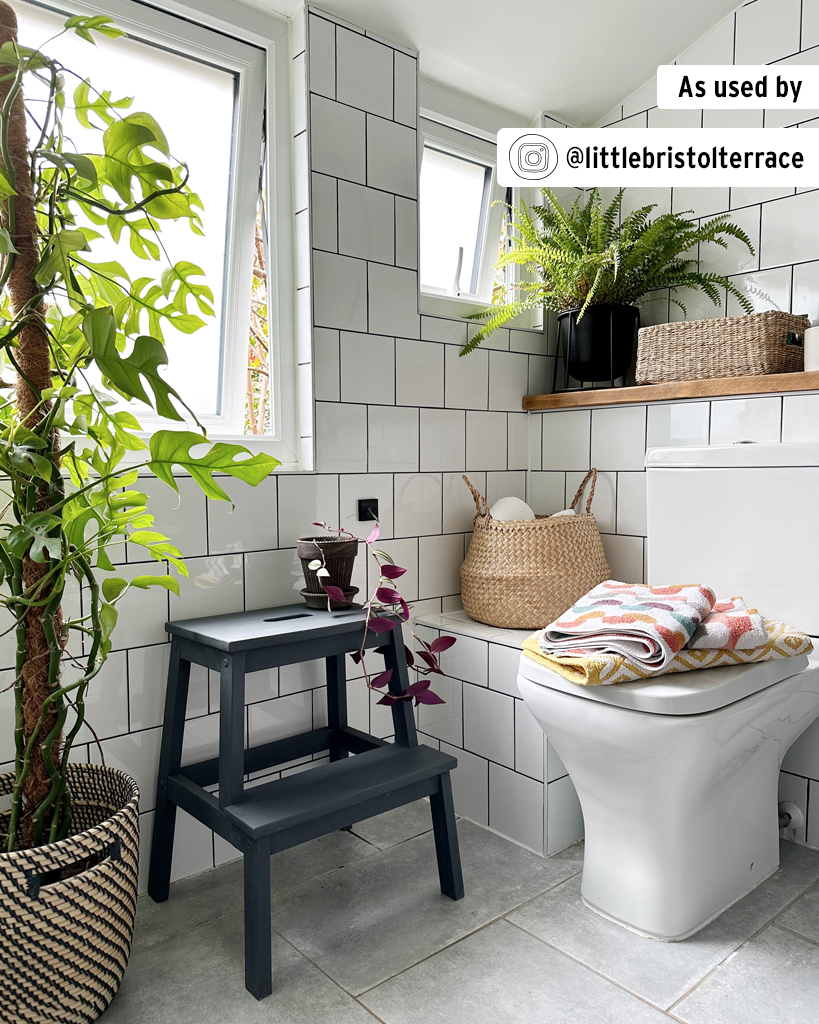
(339, 292)
(406, 102)
(364, 72)
(443, 438)
(631, 503)
(305, 499)
(324, 212)
(547, 492)
(341, 438)
(393, 439)
(467, 379)
(365, 485)
(147, 679)
(470, 785)
(143, 613)
(516, 807)
(564, 817)
(136, 754)
(366, 223)
(252, 523)
(326, 365)
(443, 721)
(517, 441)
(283, 716)
(404, 552)
(439, 563)
(784, 239)
(434, 328)
(467, 659)
(566, 439)
(406, 233)
(767, 30)
(618, 438)
(392, 157)
(418, 504)
(685, 424)
(337, 140)
(805, 297)
(393, 301)
(486, 440)
(735, 258)
(489, 724)
(555, 769)
(604, 501)
(503, 669)
(322, 54)
(746, 419)
(541, 375)
(459, 505)
(367, 369)
(181, 516)
(715, 47)
(498, 339)
(505, 485)
(305, 675)
(214, 587)
(192, 847)
(767, 289)
(272, 578)
(530, 741)
(106, 701)
(625, 558)
(419, 373)
(800, 418)
(508, 380)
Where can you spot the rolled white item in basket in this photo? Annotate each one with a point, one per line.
(510, 510)
(565, 512)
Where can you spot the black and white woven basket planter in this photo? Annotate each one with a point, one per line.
(64, 944)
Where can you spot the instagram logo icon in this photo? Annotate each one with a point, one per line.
(533, 156)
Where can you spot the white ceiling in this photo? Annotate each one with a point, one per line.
(574, 59)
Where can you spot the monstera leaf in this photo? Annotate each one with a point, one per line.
(171, 448)
(127, 372)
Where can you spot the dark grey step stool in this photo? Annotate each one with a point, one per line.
(266, 819)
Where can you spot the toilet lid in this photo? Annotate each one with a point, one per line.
(683, 693)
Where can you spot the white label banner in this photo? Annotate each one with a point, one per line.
(585, 157)
(738, 86)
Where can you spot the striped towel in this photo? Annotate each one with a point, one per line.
(731, 626)
(602, 669)
(647, 626)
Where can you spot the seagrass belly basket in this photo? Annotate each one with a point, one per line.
(67, 909)
(524, 575)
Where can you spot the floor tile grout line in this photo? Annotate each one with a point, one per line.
(797, 935)
(591, 970)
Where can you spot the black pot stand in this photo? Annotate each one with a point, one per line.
(605, 350)
(272, 817)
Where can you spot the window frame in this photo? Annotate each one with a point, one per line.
(255, 45)
(479, 147)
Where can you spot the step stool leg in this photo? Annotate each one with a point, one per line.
(446, 839)
(258, 970)
(170, 758)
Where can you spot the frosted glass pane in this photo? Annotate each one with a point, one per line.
(193, 104)
(451, 209)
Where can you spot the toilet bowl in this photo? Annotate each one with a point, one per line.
(677, 776)
(678, 789)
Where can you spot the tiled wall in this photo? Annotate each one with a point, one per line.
(398, 416)
(784, 271)
(615, 440)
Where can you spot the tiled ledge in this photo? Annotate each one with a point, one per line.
(716, 387)
(459, 622)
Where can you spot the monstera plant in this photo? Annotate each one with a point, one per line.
(78, 336)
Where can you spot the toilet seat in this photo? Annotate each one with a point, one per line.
(681, 693)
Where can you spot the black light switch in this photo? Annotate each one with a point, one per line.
(367, 509)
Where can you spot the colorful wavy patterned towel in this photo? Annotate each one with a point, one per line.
(646, 625)
(602, 669)
(731, 626)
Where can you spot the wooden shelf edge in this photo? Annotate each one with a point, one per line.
(715, 387)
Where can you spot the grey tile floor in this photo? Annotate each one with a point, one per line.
(361, 933)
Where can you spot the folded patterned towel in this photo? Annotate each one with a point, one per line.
(646, 625)
(731, 626)
(602, 669)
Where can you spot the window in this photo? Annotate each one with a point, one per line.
(209, 92)
(460, 229)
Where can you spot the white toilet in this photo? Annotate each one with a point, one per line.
(678, 778)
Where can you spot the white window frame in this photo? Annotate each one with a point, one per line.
(479, 146)
(255, 45)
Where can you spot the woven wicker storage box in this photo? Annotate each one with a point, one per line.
(64, 944)
(734, 346)
(523, 575)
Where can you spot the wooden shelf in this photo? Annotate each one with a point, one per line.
(716, 387)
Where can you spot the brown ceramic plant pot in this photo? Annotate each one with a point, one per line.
(339, 557)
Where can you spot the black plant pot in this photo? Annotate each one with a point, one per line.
(600, 346)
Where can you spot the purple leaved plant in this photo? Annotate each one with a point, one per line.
(387, 610)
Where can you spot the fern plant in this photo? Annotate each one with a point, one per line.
(587, 256)
(77, 334)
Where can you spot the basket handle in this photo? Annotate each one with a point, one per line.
(480, 501)
(593, 474)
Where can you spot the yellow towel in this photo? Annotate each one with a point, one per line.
(604, 669)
